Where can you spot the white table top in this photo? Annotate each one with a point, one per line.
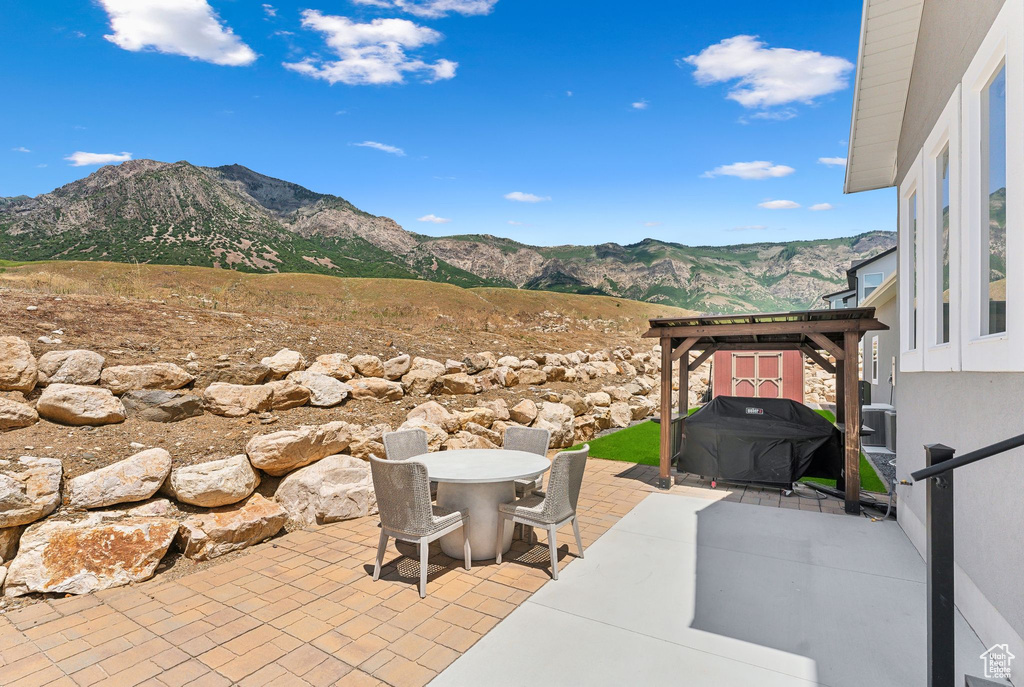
(479, 466)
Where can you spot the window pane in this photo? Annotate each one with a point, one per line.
(912, 211)
(994, 219)
(871, 282)
(942, 229)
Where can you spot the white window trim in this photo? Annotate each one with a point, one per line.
(863, 286)
(997, 352)
(911, 359)
(941, 357)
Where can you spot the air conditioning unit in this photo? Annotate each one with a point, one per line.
(890, 430)
(874, 417)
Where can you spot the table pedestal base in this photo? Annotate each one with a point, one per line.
(481, 500)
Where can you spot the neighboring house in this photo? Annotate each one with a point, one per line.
(939, 114)
(863, 277)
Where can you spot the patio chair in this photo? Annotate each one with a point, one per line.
(405, 444)
(553, 508)
(531, 440)
(403, 500)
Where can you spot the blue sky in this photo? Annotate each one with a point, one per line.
(588, 108)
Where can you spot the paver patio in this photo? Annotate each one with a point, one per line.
(301, 609)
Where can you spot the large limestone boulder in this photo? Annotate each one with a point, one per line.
(368, 365)
(420, 382)
(576, 402)
(14, 415)
(324, 391)
(71, 404)
(375, 387)
(284, 362)
(505, 376)
(230, 528)
(498, 406)
(434, 366)
(523, 412)
(436, 435)
(237, 400)
(478, 362)
(617, 393)
(122, 378)
(454, 367)
(598, 398)
(29, 489)
(465, 439)
(509, 361)
(557, 418)
(58, 557)
(333, 365)
(368, 441)
(133, 479)
(460, 383)
(18, 369)
(70, 367)
(156, 405)
(532, 376)
(335, 488)
(641, 407)
(214, 483)
(621, 414)
(9, 537)
(492, 436)
(243, 372)
(434, 413)
(281, 452)
(288, 394)
(584, 428)
(398, 366)
(482, 416)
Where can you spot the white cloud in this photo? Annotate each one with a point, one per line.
(80, 159)
(176, 27)
(516, 224)
(41, 165)
(833, 161)
(373, 53)
(769, 76)
(779, 205)
(433, 219)
(21, 149)
(521, 197)
(568, 94)
(269, 10)
(640, 104)
(434, 8)
(817, 207)
(782, 115)
(757, 169)
(394, 150)
(750, 227)
(652, 224)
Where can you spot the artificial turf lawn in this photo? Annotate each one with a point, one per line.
(639, 444)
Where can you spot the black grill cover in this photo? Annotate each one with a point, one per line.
(767, 441)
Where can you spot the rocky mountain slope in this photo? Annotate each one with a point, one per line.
(231, 217)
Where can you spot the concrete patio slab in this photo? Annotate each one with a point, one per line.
(687, 591)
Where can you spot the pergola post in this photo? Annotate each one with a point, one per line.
(665, 454)
(851, 401)
(840, 391)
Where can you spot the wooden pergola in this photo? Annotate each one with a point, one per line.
(834, 332)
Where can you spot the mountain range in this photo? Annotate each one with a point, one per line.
(234, 218)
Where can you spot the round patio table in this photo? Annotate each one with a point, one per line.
(478, 480)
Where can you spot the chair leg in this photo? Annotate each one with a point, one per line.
(501, 538)
(576, 529)
(553, 547)
(381, 547)
(424, 551)
(466, 549)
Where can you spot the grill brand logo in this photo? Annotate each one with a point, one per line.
(997, 662)
(755, 411)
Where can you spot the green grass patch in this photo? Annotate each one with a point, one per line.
(640, 444)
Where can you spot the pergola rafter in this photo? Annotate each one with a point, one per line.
(837, 332)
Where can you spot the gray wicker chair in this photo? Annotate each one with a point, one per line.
(405, 444)
(553, 508)
(531, 440)
(403, 499)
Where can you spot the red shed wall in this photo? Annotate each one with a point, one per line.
(792, 374)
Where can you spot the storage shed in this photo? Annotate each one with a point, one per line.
(758, 374)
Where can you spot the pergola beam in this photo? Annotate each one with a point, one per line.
(684, 348)
(818, 358)
(708, 352)
(766, 328)
(835, 350)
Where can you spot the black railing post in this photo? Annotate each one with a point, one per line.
(941, 608)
